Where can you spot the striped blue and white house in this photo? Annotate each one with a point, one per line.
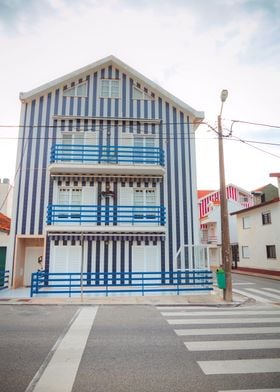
(105, 167)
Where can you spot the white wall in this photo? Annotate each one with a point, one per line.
(258, 236)
(6, 198)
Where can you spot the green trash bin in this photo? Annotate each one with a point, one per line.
(221, 278)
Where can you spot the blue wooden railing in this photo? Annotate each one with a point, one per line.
(88, 154)
(69, 283)
(4, 279)
(100, 214)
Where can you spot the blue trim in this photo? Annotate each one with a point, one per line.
(114, 256)
(44, 169)
(27, 178)
(121, 282)
(191, 181)
(89, 256)
(102, 99)
(169, 188)
(36, 165)
(124, 95)
(107, 154)
(145, 108)
(94, 101)
(117, 100)
(87, 97)
(184, 179)
(161, 186)
(138, 108)
(106, 253)
(97, 257)
(71, 108)
(63, 106)
(122, 257)
(176, 175)
(105, 214)
(130, 98)
(47, 254)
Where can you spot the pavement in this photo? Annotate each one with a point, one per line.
(213, 298)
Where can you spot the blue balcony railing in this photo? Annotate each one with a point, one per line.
(88, 154)
(105, 215)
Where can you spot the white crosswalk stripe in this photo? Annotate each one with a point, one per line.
(228, 354)
(258, 298)
(233, 345)
(222, 313)
(262, 292)
(225, 321)
(226, 331)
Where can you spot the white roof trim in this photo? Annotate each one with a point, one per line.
(114, 60)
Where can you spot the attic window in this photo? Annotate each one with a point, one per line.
(110, 88)
(141, 94)
(80, 90)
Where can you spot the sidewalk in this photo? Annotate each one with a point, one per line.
(12, 297)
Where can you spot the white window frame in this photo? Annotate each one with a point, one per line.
(110, 83)
(245, 252)
(75, 88)
(143, 95)
(246, 222)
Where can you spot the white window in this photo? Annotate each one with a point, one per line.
(138, 93)
(69, 197)
(246, 222)
(145, 258)
(145, 197)
(245, 252)
(266, 218)
(145, 153)
(80, 90)
(110, 88)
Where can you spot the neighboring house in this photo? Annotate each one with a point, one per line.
(259, 234)
(265, 193)
(210, 219)
(6, 197)
(5, 223)
(106, 169)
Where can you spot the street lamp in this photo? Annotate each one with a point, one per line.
(226, 253)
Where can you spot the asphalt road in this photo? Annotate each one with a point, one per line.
(139, 348)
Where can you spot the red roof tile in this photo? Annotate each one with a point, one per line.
(202, 193)
(5, 223)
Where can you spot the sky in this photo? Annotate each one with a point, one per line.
(192, 48)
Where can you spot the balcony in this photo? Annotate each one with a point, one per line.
(209, 239)
(97, 159)
(105, 215)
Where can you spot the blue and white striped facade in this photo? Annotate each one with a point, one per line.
(104, 221)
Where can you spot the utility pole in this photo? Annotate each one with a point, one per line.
(226, 253)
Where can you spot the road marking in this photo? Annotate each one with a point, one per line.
(253, 390)
(222, 313)
(264, 293)
(243, 284)
(233, 345)
(226, 321)
(60, 373)
(250, 295)
(273, 290)
(183, 307)
(241, 366)
(226, 331)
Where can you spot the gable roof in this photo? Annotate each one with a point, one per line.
(5, 223)
(203, 193)
(276, 200)
(111, 60)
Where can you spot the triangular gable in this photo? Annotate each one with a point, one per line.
(112, 60)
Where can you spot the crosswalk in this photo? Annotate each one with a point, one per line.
(263, 295)
(232, 342)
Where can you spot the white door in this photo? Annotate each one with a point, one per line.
(145, 258)
(32, 253)
(66, 259)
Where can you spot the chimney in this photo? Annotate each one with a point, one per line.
(257, 197)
